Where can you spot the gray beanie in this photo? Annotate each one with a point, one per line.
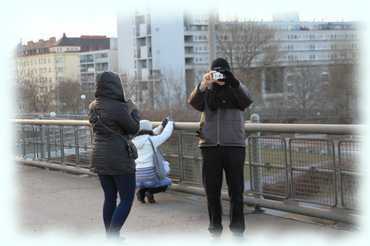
(146, 125)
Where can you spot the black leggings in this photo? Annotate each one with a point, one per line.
(114, 215)
(215, 161)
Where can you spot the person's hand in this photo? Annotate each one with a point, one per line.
(135, 115)
(208, 80)
(164, 122)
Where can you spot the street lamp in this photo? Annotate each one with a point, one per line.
(52, 114)
(83, 98)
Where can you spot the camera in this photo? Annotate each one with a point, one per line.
(217, 76)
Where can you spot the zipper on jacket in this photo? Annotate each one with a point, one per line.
(218, 126)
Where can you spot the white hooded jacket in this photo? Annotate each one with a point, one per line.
(144, 148)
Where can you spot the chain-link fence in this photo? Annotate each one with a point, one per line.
(348, 154)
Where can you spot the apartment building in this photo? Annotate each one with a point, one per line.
(46, 66)
(46, 63)
(317, 44)
(94, 62)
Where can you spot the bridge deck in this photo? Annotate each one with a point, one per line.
(51, 200)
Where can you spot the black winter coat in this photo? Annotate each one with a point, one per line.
(110, 151)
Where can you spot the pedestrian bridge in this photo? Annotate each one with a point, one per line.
(58, 201)
(301, 176)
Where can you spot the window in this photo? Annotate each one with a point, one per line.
(86, 58)
(101, 67)
(312, 57)
(101, 55)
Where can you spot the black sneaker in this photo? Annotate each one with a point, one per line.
(215, 231)
(140, 197)
(150, 197)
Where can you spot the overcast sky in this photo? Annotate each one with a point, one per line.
(32, 20)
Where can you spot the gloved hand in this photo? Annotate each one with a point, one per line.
(231, 80)
(164, 122)
(135, 115)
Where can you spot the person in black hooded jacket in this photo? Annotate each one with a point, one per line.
(113, 120)
(222, 141)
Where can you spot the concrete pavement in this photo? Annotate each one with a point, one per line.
(52, 200)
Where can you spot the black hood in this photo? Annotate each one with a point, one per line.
(108, 84)
(220, 64)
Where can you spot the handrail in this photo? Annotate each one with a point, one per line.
(61, 149)
(249, 127)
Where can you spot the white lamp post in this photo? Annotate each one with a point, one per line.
(83, 98)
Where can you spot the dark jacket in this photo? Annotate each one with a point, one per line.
(222, 126)
(110, 151)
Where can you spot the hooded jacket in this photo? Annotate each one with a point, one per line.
(110, 150)
(145, 169)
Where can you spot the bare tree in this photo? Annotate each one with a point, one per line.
(27, 99)
(33, 97)
(343, 80)
(130, 88)
(170, 94)
(343, 91)
(69, 96)
(47, 101)
(251, 51)
(246, 45)
(307, 92)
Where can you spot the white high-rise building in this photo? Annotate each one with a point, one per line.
(164, 55)
(153, 48)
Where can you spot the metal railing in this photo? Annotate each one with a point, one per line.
(312, 167)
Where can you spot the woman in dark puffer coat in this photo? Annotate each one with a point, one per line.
(113, 120)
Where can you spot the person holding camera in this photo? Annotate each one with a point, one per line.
(222, 100)
(114, 120)
(151, 168)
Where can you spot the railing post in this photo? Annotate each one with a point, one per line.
(256, 161)
(34, 143)
(61, 134)
(77, 146)
(180, 155)
(24, 142)
(42, 144)
(48, 142)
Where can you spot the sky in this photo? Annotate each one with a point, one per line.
(39, 19)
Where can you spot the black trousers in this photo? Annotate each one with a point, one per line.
(215, 161)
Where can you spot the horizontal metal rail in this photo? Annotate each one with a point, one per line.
(251, 127)
(304, 171)
(282, 206)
